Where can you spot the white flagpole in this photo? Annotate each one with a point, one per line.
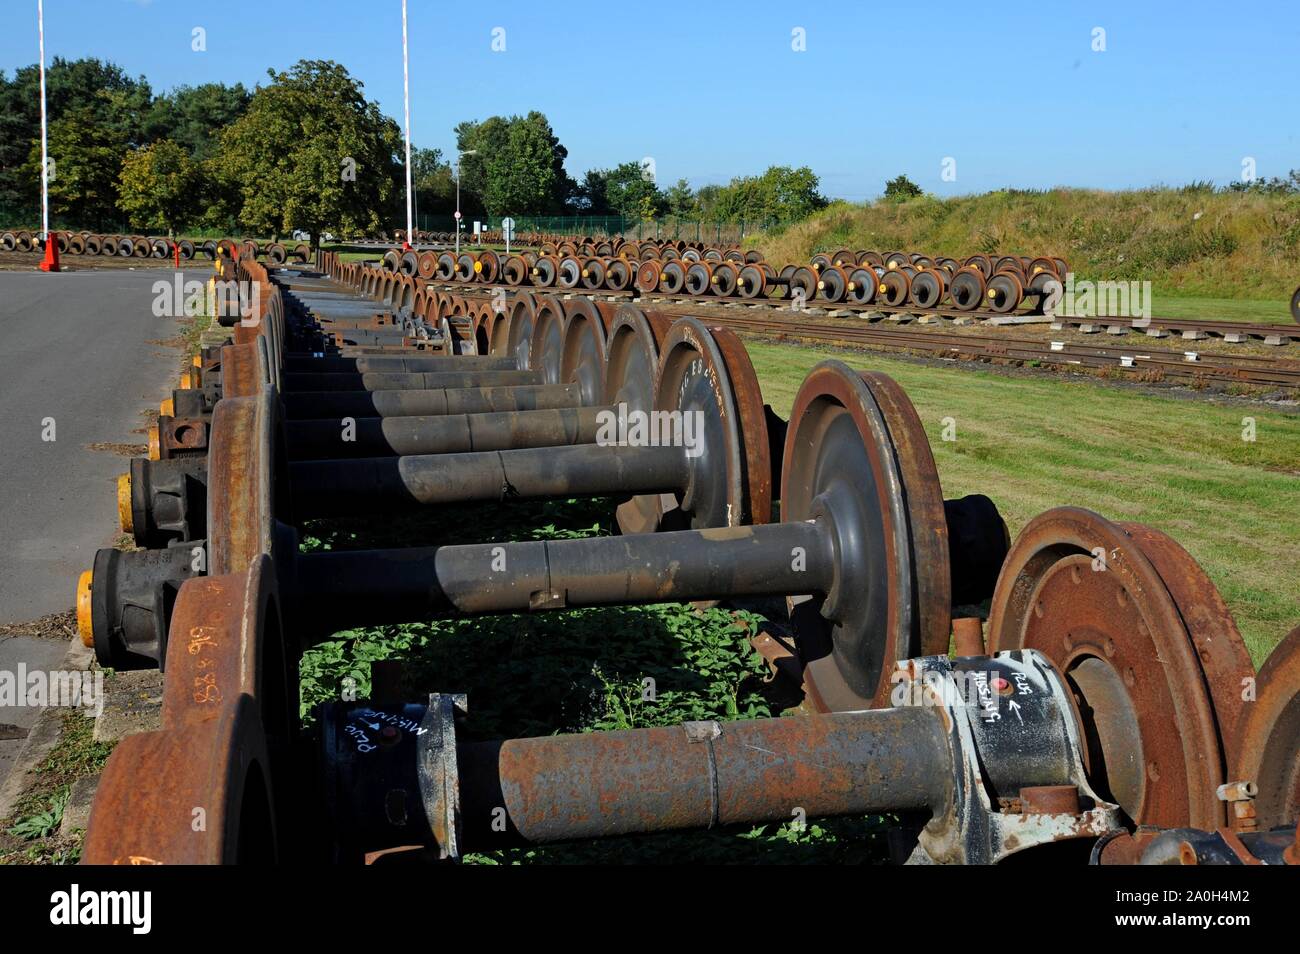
(406, 91)
(45, 158)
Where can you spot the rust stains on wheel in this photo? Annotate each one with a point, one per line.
(967, 289)
(1268, 739)
(230, 694)
(894, 287)
(648, 275)
(832, 284)
(1084, 592)
(1004, 292)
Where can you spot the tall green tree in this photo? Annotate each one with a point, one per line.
(681, 198)
(312, 153)
(434, 183)
(86, 156)
(624, 190)
(901, 188)
(159, 187)
(518, 165)
(780, 193)
(109, 108)
(194, 116)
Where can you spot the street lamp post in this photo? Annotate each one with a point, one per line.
(459, 157)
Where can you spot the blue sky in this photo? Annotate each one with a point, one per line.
(1012, 91)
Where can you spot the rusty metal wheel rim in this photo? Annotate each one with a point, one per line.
(928, 289)
(525, 306)
(546, 349)
(231, 695)
(861, 286)
(804, 278)
(832, 284)
(1222, 654)
(894, 287)
(698, 278)
(427, 265)
(1119, 638)
(619, 275)
(518, 342)
(245, 468)
(673, 277)
(840, 467)
(927, 523)
(631, 372)
(446, 270)
(583, 351)
(967, 289)
(1268, 743)
(1004, 292)
(692, 377)
(593, 274)
(544, 270)
(725, 278)
(647, 276)
(569, 273)
(751, 282)
(756, 451)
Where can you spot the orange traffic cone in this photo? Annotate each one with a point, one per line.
(51, 261)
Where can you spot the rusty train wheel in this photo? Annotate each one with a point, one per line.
(861, 286)
(1005, 292)
(844, 464)
(757, 456)
(967, 289)
(803, 279)
(694, 378)
(699, 278)
(894, 287)
(673, 277)
(583, 354)
(427, 265)
(832, 284)
(518, 342)
(1268, 739)
(569, 273)
(928, 288)
(545, 351)
(751, 282)
(230, 695)
(648, 276)
(1084, 592)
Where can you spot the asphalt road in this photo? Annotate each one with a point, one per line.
(75, 347)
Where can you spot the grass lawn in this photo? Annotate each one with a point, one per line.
(1264, 311)
(1181, 465)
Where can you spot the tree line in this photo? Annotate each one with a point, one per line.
(307, 151)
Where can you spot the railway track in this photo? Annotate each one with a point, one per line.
(1145, 363)
(1099, 708)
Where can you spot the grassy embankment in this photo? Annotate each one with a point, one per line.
(1207, 254)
